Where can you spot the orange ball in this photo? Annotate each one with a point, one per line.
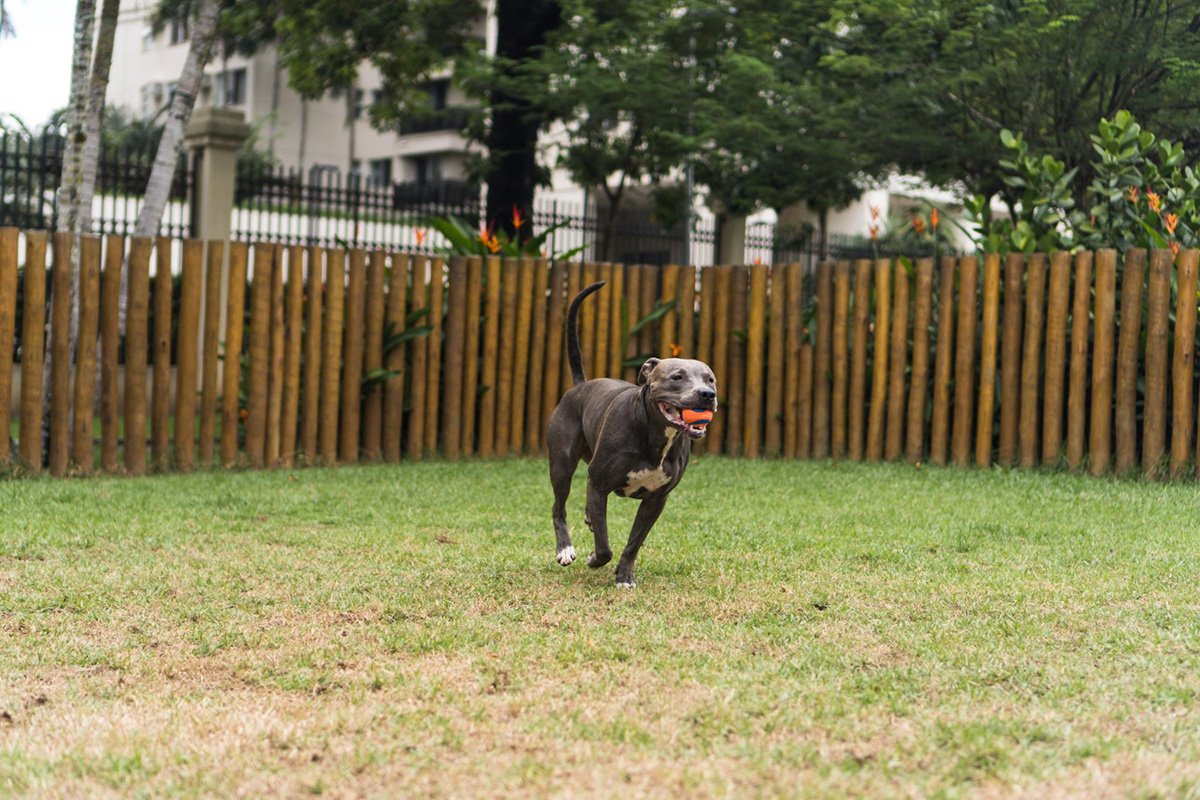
(697, 415)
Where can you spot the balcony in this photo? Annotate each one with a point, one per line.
(461, 194)
(447, 119)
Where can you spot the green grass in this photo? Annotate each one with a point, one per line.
(799, 629)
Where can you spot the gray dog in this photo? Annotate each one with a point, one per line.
(630, 438)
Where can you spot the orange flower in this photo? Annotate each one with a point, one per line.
(918, 225)
(758, 262)
(486, 233)
(517, 220)
(1171, 220)
(244, 414)
(874, 233)
(874, 212)
(420, 236)
(1174, 248)
(493, 244)
(1132, 194)
(1154, 200)
(675, 350)
(933, 219)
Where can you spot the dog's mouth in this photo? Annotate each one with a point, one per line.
(695, 428)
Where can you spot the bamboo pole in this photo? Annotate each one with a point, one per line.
(1035, 286)
(964, 362)
(646, 339)
(136, 337)
(160, 407)
(275, 361)
(943, 365)
(534, 423)
(395, 360)
(756, 332)
(10, 240)
(372, 413)
(919, 389)
(471, 356)
(418, 301)
(60, 365)
(840, 366)
(331, 353)
(633, 313)
(456, 332)
(1010, 359)
(1182, 373)
(667, 337)
(897, 363)
(1132, 280)
(85, 355)
(856, 436)
(1102, 364)
(33, 349)
(433, 365)
(615, 300)
(804, 406)
(989, 336)
(1158, 309)
(191, 284)
(520, 369)
(720, 362)
(510, 287)
(736, 393)
(1077, 381)
(554, 342)
(822, 361)
(685, 327)
(293, 342)
(259, 348)
(1057, 300)
(110, 300)
(491, 343)
(877, 414)
(313, 336)
(795, 338)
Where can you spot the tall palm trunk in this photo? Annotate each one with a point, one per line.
(200, 51)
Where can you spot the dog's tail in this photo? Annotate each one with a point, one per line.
(574, 357)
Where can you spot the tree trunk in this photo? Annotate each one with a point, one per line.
(521, 26)
(162, 175)
(72, 179)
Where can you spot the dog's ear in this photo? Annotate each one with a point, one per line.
(647, 368)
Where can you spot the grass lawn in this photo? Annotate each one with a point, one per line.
(799, 629)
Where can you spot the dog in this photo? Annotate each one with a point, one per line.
(633, 437)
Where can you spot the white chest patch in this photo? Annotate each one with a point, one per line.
(650, 479)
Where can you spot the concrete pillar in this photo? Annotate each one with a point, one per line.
(213, 137)
(733, 240)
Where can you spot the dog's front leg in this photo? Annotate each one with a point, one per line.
(596, 517)
(647, 514)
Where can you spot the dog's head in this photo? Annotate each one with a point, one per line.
(675, 384)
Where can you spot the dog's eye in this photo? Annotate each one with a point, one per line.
(676, 377)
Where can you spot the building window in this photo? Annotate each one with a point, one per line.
(377, 95)
(381, 172)
(360, 103)
(178, 30)
(231, 87)
(437, 91)
(428, 169)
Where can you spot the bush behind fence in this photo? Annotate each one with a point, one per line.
(351, 355)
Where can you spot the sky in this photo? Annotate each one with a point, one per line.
(36, 64)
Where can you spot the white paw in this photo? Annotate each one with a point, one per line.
(626, 585)
(566, 556)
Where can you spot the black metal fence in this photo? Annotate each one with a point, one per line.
(31, 168)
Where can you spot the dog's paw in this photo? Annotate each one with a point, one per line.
(627, 584)
(595, 561)
(566, 556)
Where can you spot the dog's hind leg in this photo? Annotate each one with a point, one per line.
(596, 517)
(562, 469)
